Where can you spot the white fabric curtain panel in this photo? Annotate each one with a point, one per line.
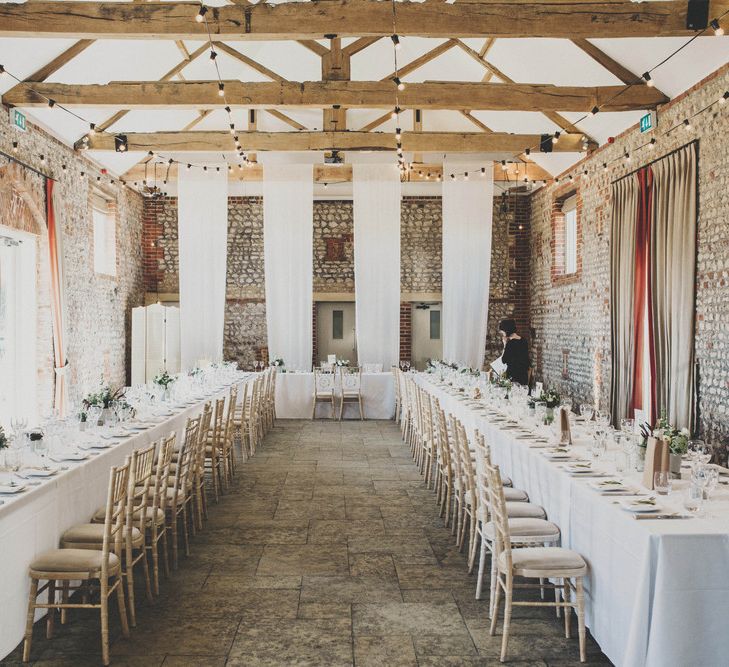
(203, 247)
(288, 222)
(376, 194)
(467, 221)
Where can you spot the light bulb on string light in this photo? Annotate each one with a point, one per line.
(626, 156)
(213, 54)
(200, 17)
(396, 41)
(648, 80)
(395, 113)
(221, 89)
(189, 166)
(595, 110)
(51, 102)
(556, 136)
(652, 143)
(15, 147)
(465, 176)
(724, 98)
(232, 129)
(716, 27)
(687, 124)
(398, 134)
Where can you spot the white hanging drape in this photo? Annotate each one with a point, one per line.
(467, 218)
(202, 220)
(376, 195)
(288, 220)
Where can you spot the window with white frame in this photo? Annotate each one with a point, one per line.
(569, 212)
(18, 315)
(104, 221)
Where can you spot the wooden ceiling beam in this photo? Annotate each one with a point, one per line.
(349, 94)
(327, 173)
(417, 141)
(351, 18)
(60, 60)
(410, 67)
(359, 45)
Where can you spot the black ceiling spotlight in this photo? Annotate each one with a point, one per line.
(120, 143)
(545, 143)
(697, 15)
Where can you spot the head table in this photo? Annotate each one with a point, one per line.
(657, 593)
(33, 521)
(295, 396)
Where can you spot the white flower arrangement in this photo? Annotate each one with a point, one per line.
(342, 362)
(278, 363)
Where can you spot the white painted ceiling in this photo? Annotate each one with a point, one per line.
(549, 61)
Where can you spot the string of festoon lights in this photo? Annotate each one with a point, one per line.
(155, 158)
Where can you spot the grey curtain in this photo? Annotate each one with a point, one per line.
(622, 299)
(673, 275)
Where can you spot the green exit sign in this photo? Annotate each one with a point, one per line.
(17, 120)
(648, 122)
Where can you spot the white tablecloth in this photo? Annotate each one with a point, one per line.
(34, 520)
(658, 591)
(295, 395)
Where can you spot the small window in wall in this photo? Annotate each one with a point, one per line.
(104, 220)
(434, 325)
(337, 324)
(569, 211)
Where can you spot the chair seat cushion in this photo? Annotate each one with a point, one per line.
(544, 561)
(93, 534)
(526, 530)
(515, 495)
(73, 560)
(522, 510)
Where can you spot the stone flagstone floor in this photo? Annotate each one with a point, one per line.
(327, 551)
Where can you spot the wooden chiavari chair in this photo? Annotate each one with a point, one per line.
(213, 447)
(351, 384)
(398, 393)
(543, 563)
(197, 474)
(324, 387)
(227, 454)
(85, 565)
(91, 535)
(526, 521)
(444, 470)
(157, 526)
(179, 491)
(240, 424)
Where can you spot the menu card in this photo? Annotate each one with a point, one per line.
(656, 460)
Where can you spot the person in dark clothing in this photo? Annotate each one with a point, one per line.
(516, 353)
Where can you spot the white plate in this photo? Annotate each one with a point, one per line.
(70, 456)
(11, 488)
(40, 472)
(610, 486)
(557, 454)
(641, 507)
(96, 445)
(580, 469)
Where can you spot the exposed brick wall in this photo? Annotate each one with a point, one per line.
(572, 319)
(406, 331)
(98, 306)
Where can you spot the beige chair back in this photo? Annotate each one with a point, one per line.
(140, 479)
(115, 517)
(351, 380)
(499, 515)
(324, 382)
(164, 458)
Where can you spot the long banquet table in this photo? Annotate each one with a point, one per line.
(658, 590)
(33, 521)
(295, 392)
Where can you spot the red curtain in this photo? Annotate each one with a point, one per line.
(643, 287)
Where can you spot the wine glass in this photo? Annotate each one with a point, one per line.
(627, 425)
(587, 411)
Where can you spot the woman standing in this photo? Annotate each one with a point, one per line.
(516, 353)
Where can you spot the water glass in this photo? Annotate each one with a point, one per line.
(662, 482)
(693, 500)
(621, 461)
(627, 425)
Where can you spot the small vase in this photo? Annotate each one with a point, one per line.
(675, 465)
